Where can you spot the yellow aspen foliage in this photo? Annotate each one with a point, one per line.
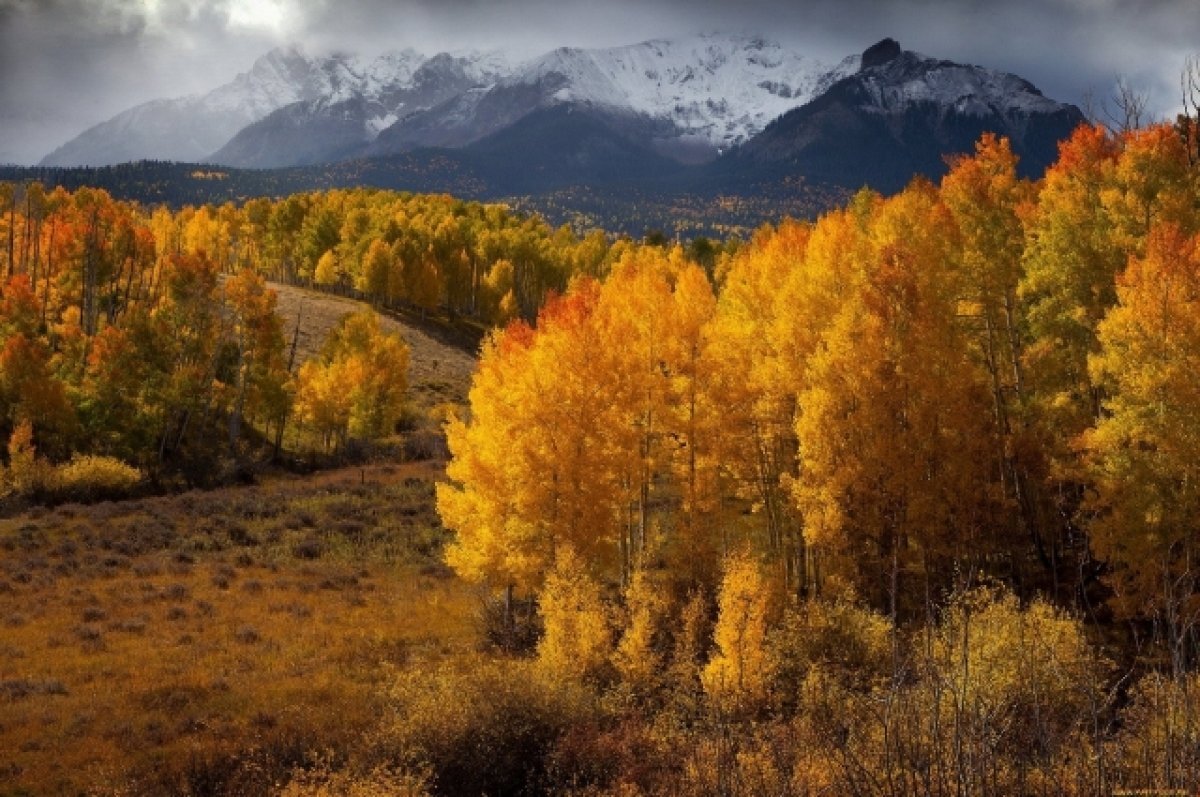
(577, 641)
(696, 415)
(1027, 670)
(377, 266)
(638, 658)
(737, 678)
(507, 309)
(1144, 453)
(322, 403)
(776, 296)
(422, 281)
(633, 318)
(326, 272)
(357, 385)
(893, 425)
(26, 473)
(498, 303)
(691, 642)
(1070, 263)
(479, 502)
(986, 199)
(531, 469)
(1151, 183)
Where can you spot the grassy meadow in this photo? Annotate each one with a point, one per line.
(209, 642)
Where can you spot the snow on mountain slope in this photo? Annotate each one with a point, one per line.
(688, 98)
(707, 92)
(901, 114)
(897, 80)
(189, 128)
(360, 100)
(719, 89)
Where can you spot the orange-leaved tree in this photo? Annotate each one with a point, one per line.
(1145, 451)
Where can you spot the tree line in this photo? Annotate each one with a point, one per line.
(128, 337)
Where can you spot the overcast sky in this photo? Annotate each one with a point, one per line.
(68, 64)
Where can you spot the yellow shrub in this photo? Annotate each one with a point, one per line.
(737, 677)
(638, 659)
(26, 474)
(1015, 664)
(480, 725)
(849, 640)
(87, 476)
(1159, 746)
(576, 639)
(323, 781)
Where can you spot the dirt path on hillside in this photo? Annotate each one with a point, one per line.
(437, 373)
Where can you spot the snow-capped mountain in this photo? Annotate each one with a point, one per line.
(367, 99)
(688, 98)
(901, 114)
(739, 110)
(191, 128)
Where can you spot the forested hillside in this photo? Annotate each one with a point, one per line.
(151, 337)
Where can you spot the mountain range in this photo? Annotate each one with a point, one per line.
(710, 114)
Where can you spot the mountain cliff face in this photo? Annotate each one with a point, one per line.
(902, 114)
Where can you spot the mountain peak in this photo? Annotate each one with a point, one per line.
(880, 53)
(281, 56)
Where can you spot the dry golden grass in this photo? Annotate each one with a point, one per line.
(438, 373)
(148, 639)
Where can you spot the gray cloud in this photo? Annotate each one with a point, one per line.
(67, 64)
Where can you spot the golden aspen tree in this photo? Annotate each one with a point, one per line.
(326, 272)
(737, 678)
(531, 471)
(1094, 211)
(893, 426)
(257, 338)
(1151, 182)
(492, 544)
(577, 640)
(356, 386)
(322, 403)
(377, 265)
(1071, 260)
(773, 303)
(638, 657)
(634, 316)
(987, 199)
(26, 474)
(422, 281)
(695, 418)
(1144, 452)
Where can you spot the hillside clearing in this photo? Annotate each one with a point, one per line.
(438, 373)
